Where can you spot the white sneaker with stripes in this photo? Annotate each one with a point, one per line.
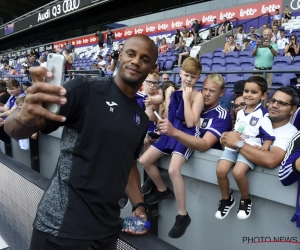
(244, 209)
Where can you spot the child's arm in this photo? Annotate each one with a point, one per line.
(6, 113)
(168, 94)
(193, 102)
(266, 145)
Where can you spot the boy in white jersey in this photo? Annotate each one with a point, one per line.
(256, 129)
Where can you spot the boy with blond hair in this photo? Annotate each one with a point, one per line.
(184, 107)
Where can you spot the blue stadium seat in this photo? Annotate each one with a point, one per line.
(282, 61)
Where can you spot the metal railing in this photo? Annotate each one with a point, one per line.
(254, 72)
(218, 24)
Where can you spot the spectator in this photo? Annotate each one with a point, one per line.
(275, 34)
(252, 32)
(225, 26)
(225, 102)
(157, 43)
(69, 61)
(74, 54)
(292, 49)
(165, 78)
(70, 46)
(186, 119)
(149, 90)
(185, 32)
(240, 35)
(108, 62)
(100, 39)
(196, 26)
(264, 53)
(116, 60)
(101, 63)
(287, 15)
(177, 37)
(231, 45)
(282, 41)
(43, 63)
(33, 62)
(295, 119)
(214, 28)
(110, 36)
(246, 44)
(214, 120)
(238, 88)
(162, 108)
(15, 92)
(12, 71)
(87, 198)
(238, 104)
(277, 18)
(16, 57)
(281, 106)
(24, 71)
(4, 96)
(59, 49)
(196, 37)
(265, 26)
(182, 51)
(25, 86)
(163, 47)
(254, 126)
(252, 42)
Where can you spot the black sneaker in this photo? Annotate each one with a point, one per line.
(180, 226)
(224, 208)
(244, 209)
(123, 202)
(159, 196)
(147, 186)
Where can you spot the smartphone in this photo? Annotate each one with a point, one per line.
(153, 135)
(56, 65)
(262, 41)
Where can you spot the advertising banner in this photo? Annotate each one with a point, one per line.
(206, 18)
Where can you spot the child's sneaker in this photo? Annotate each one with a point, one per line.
(180, 226)
(244, 209)
(224, 208)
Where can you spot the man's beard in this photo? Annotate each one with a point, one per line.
(131, 81)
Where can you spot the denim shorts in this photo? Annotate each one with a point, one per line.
(234, 156)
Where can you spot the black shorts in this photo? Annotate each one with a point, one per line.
(100, 44)
(44, 241)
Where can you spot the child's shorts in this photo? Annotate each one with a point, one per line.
(234, 156)
(168, 145)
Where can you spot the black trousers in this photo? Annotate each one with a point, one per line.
(44, 241)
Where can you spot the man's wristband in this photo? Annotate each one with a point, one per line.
(270, 47)
(140, 204)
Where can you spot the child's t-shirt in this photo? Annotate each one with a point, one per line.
(254, 127)
(12, 100)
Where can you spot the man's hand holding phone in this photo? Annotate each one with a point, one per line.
(33, 111)
(266, 43)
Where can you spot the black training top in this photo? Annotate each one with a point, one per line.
(103, 134)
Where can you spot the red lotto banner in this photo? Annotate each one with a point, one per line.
(240, 12)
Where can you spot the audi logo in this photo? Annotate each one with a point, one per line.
(70, 5)
(295, 4)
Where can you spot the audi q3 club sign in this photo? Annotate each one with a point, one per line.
(65, 7)
(60, 9)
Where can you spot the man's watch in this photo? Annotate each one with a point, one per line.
(270, 47)
(140, 204)
(239, 145)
